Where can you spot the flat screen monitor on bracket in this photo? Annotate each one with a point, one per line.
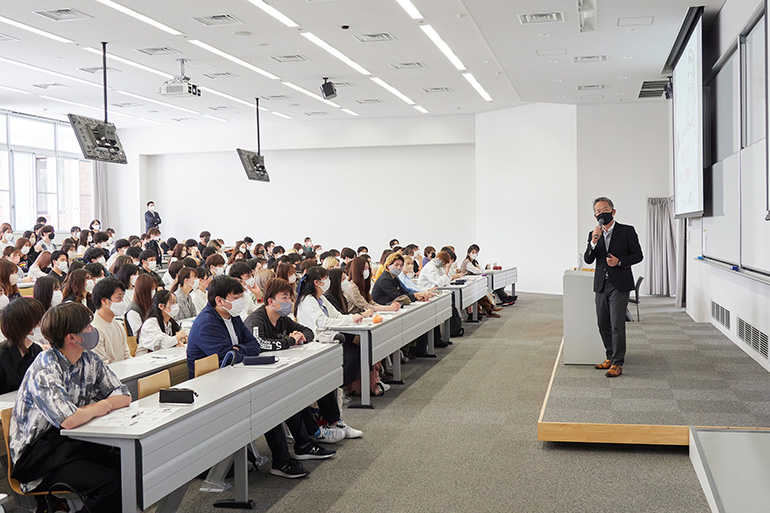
(254, 164)
(98, 140)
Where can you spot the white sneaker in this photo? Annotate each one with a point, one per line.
(385, 386)
(329, 434)
(349, 431)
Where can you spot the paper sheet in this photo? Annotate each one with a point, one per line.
(133, 417)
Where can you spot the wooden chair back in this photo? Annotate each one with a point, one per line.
(151, 384)
(206, 365)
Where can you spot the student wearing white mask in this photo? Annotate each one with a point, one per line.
(48, 291)
(78, 287)
(186, 282)
(242, 272)
(216, 263)
(160, 329)
(435, 273)
(128, 274)
(471, 265)
(148, 260)
(200, 295)
(6, 236)
(111, 307)
(59, 266)
(20, 324)
(313, 309)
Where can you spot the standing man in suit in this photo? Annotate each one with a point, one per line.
(615, 247)
(151, 218)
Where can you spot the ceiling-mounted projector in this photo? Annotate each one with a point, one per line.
(180, 85)
(328, 90)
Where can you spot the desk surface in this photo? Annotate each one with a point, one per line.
(367, 324)
(132, 368)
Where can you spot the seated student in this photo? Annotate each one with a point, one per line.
(127, 275)
(407, 277)
(24, 246)
(330, 262)
(179, 252)
(200, 295)
(435, 272)
(186, 282)
(276, 253)
(381, 266)
(242, 272)
(259, 251)
(169, 245)
(192, 250)
(20, 324)
(169, 277)
(148, 264)
(97, 271)
(152, 243)
(95, 226)
(84, 242)
(94, 254)
(235, 256)
(67, 386)
(144, 291)
(205, 238)
(388, 287)
(42, 265)
(78, 287)
(110, 306)
(261, 278)
(45, 241)
(362, 250)
(218, 329)
(59, 266)
(9, 277)
(216, 264)
(14, 256)
(335, 296)
(210, 251)
(121, 246)
(357, 295)
(48, 291)
(118, 264)
(134, 252)
(278, 331)
(160, 329)
(6, 236)
(102, 241)
(471, 266)
(347, 255)
(430, 254)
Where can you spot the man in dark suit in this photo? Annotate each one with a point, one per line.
(151, 218)
(615, 247)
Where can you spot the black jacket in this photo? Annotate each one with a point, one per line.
(387, 288)
(273, 338)
(13, 365)
(624, 245)
(151, 219)
(153, 246)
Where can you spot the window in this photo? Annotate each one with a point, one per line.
(42, 174)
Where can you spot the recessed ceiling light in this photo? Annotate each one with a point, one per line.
(64, 15)
(289, 58)
(348, 111)
(410, 9)
(441, 45)
(230, 97)
(140, 17)
(158, 50)
(218, 20)
(336, 53)
(421, 109)
(392, 90)
(275, 13)
(380, 37)
(5, 38)
(14, 90)
(232, 58)
(34, 30)
(308, 93)
(541, 17)
(284, 116)
(215, 118)
(477, 86)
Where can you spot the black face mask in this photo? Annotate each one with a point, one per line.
(433, 254)
(604, 218)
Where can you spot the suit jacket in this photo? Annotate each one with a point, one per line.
(151, 219)
(624, 245)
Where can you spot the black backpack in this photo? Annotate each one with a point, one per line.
(456, 324)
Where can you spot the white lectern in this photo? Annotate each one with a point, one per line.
(582, 342)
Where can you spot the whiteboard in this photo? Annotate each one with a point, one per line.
(721, 230)
(755, 231)
(688, 128)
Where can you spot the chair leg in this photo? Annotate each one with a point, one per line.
(637, 312)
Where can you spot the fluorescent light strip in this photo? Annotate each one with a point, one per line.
(232, 58)
(314, 96)
(49, 72)
(151, 100)
(410, 9)
(275, 13)
(441, 44)
(34, 30)
(284, 116)
(329, 48)
(479, 89)
(151, 121)
(215, 118)
(84, 106)
(140, 17)
(421, 109)
(231, 98)
(14, 90)
(348, 111)
(131, 63)
(392, 90)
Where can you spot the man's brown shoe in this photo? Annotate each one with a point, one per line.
(614, 372)
(606, 364)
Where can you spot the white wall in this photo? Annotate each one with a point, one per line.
(526, 178)
(623, 153)
(340, 197)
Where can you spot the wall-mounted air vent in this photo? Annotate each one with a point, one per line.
(218, 20)
(591, 87)
(98, 69)
(48, 86)
(220, 75)
(369, 101)
(183, 120)
(64, 15)
(720, 314)
(431, 90)
(580, 59)
(541, 17)
(316, 113)
(653, 88)
(160, 50)
(4, 38)
(380, 37)
(343, 84)
(408, 65)
(276, 97)
(125, 105)
(289, 58)
(753, 337)
(221, 108)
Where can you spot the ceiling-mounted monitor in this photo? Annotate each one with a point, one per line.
(254, 164)
(98, 140)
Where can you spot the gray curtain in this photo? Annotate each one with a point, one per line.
(661, 260)
(100, 193)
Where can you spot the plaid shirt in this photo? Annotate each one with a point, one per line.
(53, 389)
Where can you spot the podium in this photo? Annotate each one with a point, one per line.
(582, 342)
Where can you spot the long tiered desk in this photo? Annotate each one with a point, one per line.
(502, 278)
(131, 370)
(467, 294)
(395, 331)
(235, 405)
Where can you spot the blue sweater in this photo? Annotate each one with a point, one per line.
(209, 336)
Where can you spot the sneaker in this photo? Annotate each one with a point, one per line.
(292, 469)
(385, 388)
(349, 431)
(328, 435)
(313, 451)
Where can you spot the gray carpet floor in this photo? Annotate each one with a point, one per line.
(461, 435)
(677, 372)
